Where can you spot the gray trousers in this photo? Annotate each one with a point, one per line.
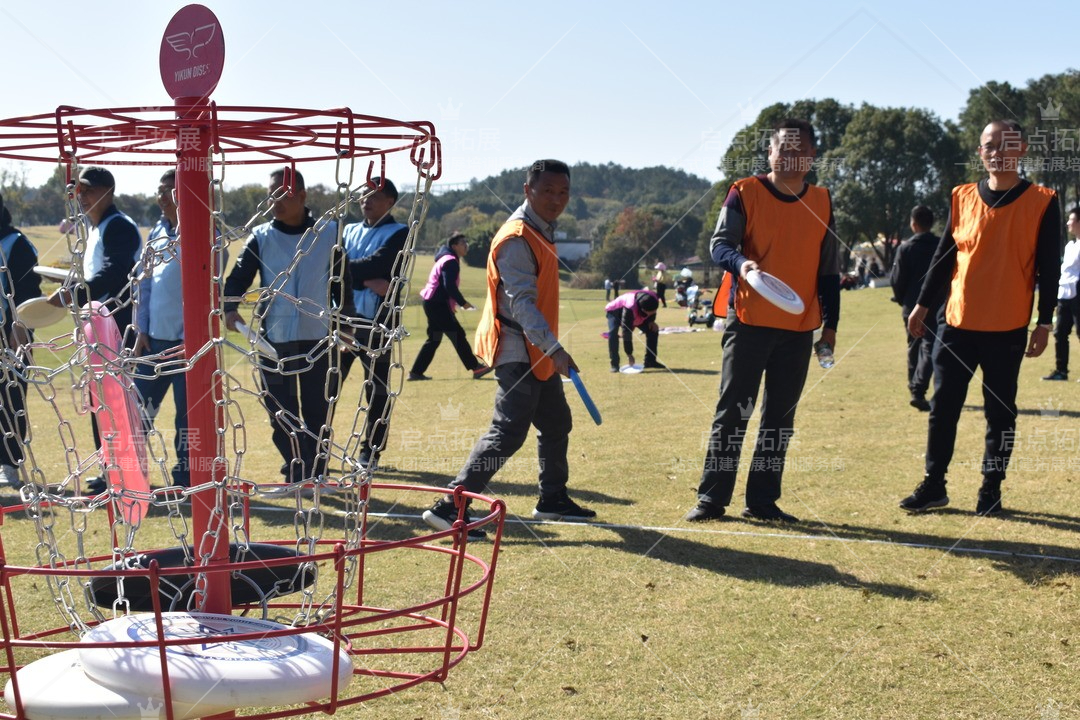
(520, 402)
(783, 357)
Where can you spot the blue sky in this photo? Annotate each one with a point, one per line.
(634, 83)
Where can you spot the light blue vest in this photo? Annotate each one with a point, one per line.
(309, 281)
(362, 241)
(95, 248)
(161, 313)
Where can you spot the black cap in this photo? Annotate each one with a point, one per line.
(97, 177)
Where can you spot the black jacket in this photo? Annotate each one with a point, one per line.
(913, 259)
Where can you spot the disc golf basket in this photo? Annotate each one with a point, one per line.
(220, 621)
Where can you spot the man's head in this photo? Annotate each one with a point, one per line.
(1001, 146)
(376, 205)
(1073, 222)
(792, 149)
(95, 191)
(165, 201)
(458, 244)
(647, 303)
(547, 188)
(922, 219)
(289, 207)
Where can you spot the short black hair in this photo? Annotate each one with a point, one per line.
(282, 173)
(388, 189)
(804, 129)
(542, 166)
(922, 216)
(456, 238)
(169, 177)
(1074, 210)
(1011, 124)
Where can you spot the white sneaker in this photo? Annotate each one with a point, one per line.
(9, 477)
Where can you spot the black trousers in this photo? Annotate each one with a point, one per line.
(376, 389)
(13, 420)
(614, 326)
(783, 357)
(298, 403)
(441, 321)
(1068, 316)
(956, 356)
(920, 355)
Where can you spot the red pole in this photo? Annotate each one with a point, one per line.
(194, 201)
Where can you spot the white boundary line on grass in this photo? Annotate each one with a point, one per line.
(745, 533)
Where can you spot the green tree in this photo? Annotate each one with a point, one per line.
(629, 240)
(890, 159)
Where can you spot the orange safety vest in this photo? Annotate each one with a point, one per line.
(489, 330)
(784, 239)
(993, 283)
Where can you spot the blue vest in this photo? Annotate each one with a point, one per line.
(160, 310)
(362, 241)
(95, 247)
(308, 281)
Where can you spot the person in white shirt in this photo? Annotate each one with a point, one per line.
(1068, 305)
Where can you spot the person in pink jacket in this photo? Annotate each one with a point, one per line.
(636, 309)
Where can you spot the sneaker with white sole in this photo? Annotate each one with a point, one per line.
(9, 477)
(928, 495)
(443, 515)
(561, 507)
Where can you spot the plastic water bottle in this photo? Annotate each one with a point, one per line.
(824, 353)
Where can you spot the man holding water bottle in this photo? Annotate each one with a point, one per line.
(780, 224)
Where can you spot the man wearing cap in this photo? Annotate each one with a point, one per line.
(626, 312)
(19, 283)
(374, 251)
(112, 249)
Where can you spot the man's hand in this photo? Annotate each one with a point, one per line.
(61, 297)
(630, 359)
(916, 321)
(1040, 336)
(142, 344)
(652, 327)
(828, 335)
(747, 267)
(231, 318)
(563, 362)
(468, 306)
(380, 286)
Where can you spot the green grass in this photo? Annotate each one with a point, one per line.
(859, 612)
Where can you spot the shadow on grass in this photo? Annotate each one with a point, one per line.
(740, 564)
(1031, 562)
(1037, 412)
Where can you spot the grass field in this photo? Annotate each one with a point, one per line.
(860, 611)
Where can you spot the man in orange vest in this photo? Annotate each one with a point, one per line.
(1002, 238)
(518, 335)
(780, 224)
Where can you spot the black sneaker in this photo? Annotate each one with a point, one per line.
(614, 369)
(654, 365)
(481, 371)
(989, 502)
(96, 485)
(919, 402)
(768, 513)
(927, 496)
(561, 507)
(1057, 375)
(418, 376)
(443, 515)
(704, 511)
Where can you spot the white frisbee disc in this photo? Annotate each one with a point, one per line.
(251, 673)
(56, 688)
(38, 313)
(51, 273)
(775, 291)
(261, 344)
(632, 369)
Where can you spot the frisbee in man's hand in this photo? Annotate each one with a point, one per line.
(775, 291)
(51, 273)
(589, 404)
(38, 313)
(260, 343)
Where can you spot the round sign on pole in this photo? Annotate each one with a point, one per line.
(192, 53)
